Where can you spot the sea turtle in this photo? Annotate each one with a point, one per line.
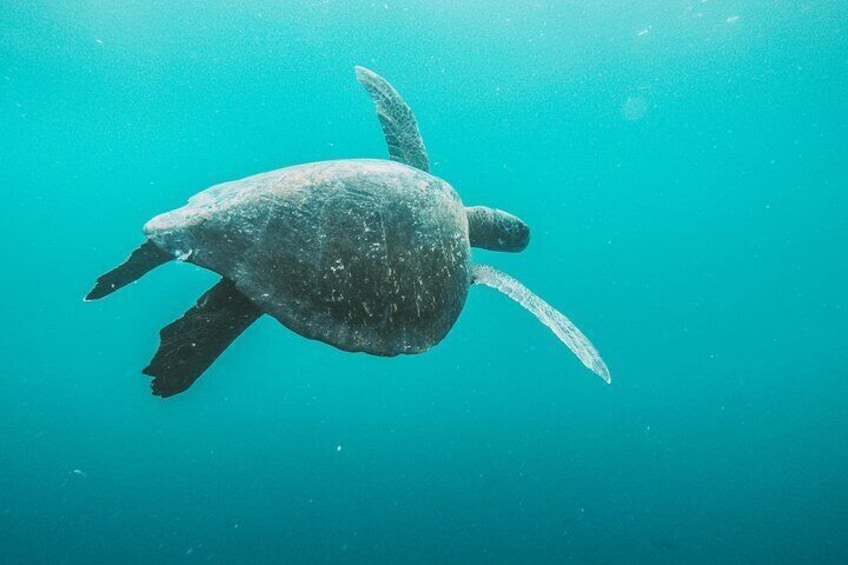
(366, 255)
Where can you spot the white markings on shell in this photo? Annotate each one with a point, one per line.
(306, 279)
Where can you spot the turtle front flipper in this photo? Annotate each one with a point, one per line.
(189, 345)
(144, 259)
(566, 331)
(398, 121)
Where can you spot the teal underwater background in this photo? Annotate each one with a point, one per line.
(682, 164)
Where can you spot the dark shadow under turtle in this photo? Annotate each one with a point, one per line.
(366, 255)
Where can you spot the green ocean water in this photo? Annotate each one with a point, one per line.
(683, 166)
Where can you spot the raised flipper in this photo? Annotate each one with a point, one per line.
(547, 314)
(189, 345)
(142, 260)
(398, 121)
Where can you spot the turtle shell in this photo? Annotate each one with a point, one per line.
(366, 255)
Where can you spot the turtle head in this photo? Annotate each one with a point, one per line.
(496, 230)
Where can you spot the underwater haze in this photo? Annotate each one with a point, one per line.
(682, 164)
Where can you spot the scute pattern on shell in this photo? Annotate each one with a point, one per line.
(367, 255)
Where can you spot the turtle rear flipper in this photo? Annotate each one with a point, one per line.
(189, 345)
(144, 259)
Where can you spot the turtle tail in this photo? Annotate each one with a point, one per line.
(146, 258)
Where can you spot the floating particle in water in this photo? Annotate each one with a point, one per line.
(634, 108)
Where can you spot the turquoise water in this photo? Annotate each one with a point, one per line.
(683, 166)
